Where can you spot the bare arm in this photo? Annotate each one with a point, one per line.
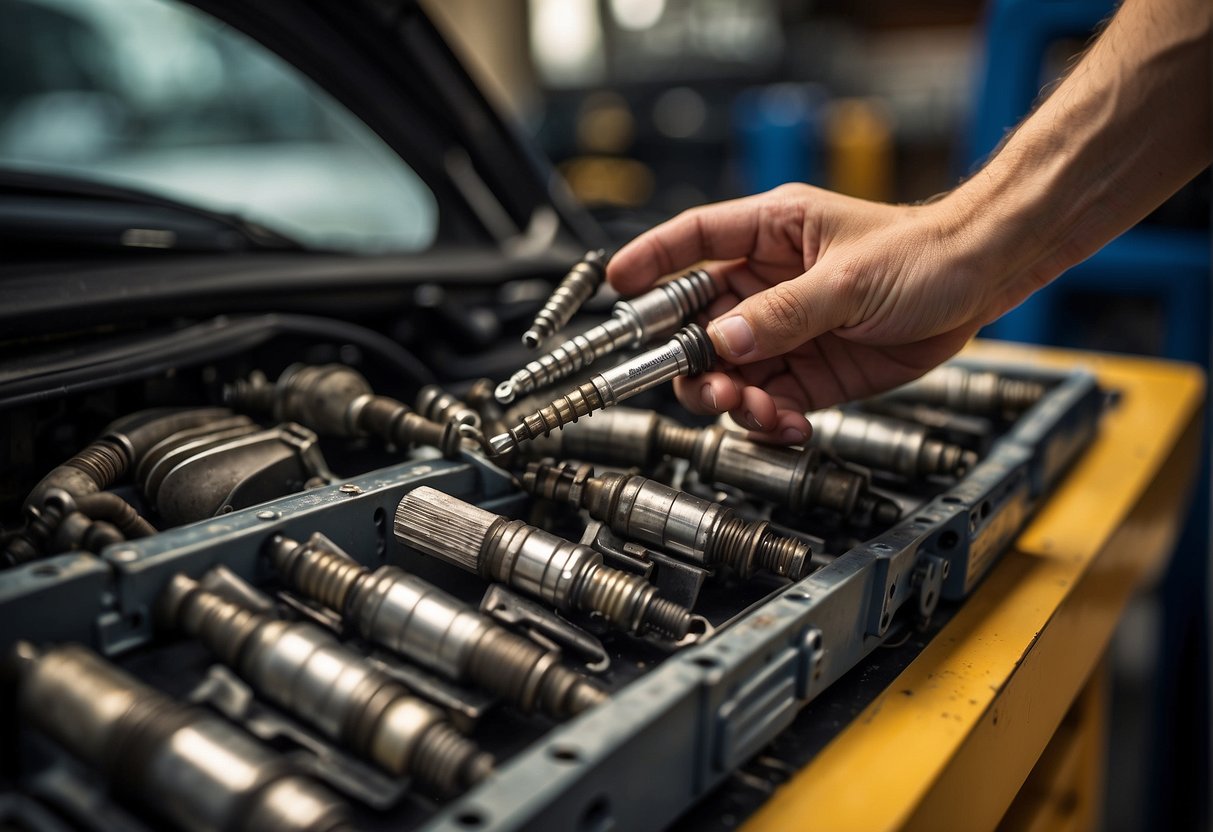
(829, 298)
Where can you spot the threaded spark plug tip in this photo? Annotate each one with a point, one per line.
(504, 393)
(786, 557)
(668, 617)
(478, 768)
(531, 339)
(585, 696)
(967, 460)
(502, 444)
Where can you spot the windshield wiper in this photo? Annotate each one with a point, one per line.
(38, 208)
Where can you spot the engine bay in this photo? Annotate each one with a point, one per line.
(279, 584)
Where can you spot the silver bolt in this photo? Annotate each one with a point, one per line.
(125, 556)
(267, 515)
(350, 488)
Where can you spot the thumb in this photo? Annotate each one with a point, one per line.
(780, 318)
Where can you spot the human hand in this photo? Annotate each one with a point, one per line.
(825, 298)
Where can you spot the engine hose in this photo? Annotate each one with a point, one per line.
(107, 506)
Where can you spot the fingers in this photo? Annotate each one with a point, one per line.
(776, 419)
(724, 231)
(781, 318)
(709, 394)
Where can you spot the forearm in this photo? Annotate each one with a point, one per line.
(1126, 129)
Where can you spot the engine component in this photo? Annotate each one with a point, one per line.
(685, 525)
(304, 669)
(888, 444)
(633, 323)
(799, 479)
(192, 768)
(90, 472)
(575, 289)
(567, 575)
(335, 400)
(985, 393)
(228, 464)
(416, 619)
(689, 352)
(439, 406)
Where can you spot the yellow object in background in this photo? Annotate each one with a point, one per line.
(859, 147)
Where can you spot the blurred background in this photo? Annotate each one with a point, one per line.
(648, 107)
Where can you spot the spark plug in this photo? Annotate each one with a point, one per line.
(798, 478)
(336, 400)
(421, 622)
(983, 393)
(887, 444)
(439, 406)
(305, 670)
(633, 323)
(195, 770)
(683, 524)
(575, 289)
(567, 575)
(688, 353)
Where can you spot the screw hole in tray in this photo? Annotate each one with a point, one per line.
(472, 819)
(564, 754)
(948, 541)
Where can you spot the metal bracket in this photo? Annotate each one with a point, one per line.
(514, 611)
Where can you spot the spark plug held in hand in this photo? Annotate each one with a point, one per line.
(688, 353)
(577, 287)
(635, 322)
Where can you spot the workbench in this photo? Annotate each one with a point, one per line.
(999, 718)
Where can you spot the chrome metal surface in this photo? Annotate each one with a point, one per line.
(567, 575)
(416, 619)
(635, 322)
(689, 352)
(575, 289)
(194, 770)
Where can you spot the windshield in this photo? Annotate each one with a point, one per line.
(158, 96)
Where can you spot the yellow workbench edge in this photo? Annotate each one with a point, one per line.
(949, 743)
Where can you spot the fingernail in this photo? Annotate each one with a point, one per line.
(752, 421)
(792, 436)
(708, 396)
(734, 331)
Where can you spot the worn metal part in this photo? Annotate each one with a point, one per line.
(798, 478)
(439, 406)
(304, 669)
(633, 323)
(416, 619)
(226, 465)
(513, 610)
(569, 576)
(335, 400)
(193, 769)
(888, 444)
(685, 525)
(575, 289)
(982, 392)
(688, 353)
(90, 472)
